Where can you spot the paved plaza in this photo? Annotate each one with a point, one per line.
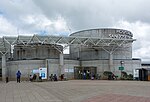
(76, 91)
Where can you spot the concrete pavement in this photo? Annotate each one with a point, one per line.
(76, 91)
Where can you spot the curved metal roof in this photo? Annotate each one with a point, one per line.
(101, 29)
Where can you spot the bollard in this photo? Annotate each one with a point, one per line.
(6, 79)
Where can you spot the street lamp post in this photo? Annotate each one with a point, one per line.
(121, 62)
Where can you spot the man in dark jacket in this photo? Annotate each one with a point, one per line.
(18, 74)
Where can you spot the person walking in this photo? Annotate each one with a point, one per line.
(18, 74)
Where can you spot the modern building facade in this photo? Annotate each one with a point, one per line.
(91, 52)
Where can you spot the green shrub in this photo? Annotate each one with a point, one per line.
(107, 73)
(124, 74)
(130, 77)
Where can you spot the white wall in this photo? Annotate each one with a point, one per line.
(26, 66)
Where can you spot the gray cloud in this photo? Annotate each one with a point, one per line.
(15, 10)
(82, 14)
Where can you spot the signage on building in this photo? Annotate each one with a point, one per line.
(121, 34)
(70, 70)
(125, 32)
(135, 73)
(35, 71)
(66, 70)
(121, 68)
(43, 73)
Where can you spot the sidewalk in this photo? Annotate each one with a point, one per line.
(76, 91)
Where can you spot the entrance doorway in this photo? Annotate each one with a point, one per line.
(144, 74)
(84, 72)
(0, 74)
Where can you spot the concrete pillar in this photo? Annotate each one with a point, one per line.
(111, 62)
(20, 53)
(47, 65)
(61, 63)
(4, 69)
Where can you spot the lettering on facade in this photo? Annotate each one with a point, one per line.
(125, 32)
(121, 34)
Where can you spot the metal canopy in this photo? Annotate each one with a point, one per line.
(7, 42)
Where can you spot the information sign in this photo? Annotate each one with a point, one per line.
(121, 68)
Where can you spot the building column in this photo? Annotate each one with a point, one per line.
(111, 62)
(47, 66)
(19, 57)
(4, 69)
(61, 64)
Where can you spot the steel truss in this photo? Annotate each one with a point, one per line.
(7, 43)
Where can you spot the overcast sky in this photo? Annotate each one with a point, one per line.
(61, 17)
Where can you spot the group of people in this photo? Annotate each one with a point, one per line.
(33, 77)
(53, 77)
(112, 77)
(18, 76)
(91, 76)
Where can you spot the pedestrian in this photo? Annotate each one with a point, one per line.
(7, 79)
(34, 77)
(93, 76)
(18, 74)
(55, 77)
(113, 77)
(31, 78)
(84, 75)
(51, 77)
(62, 77)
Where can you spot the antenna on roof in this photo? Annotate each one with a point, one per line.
(70, 31)
(69, 28)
